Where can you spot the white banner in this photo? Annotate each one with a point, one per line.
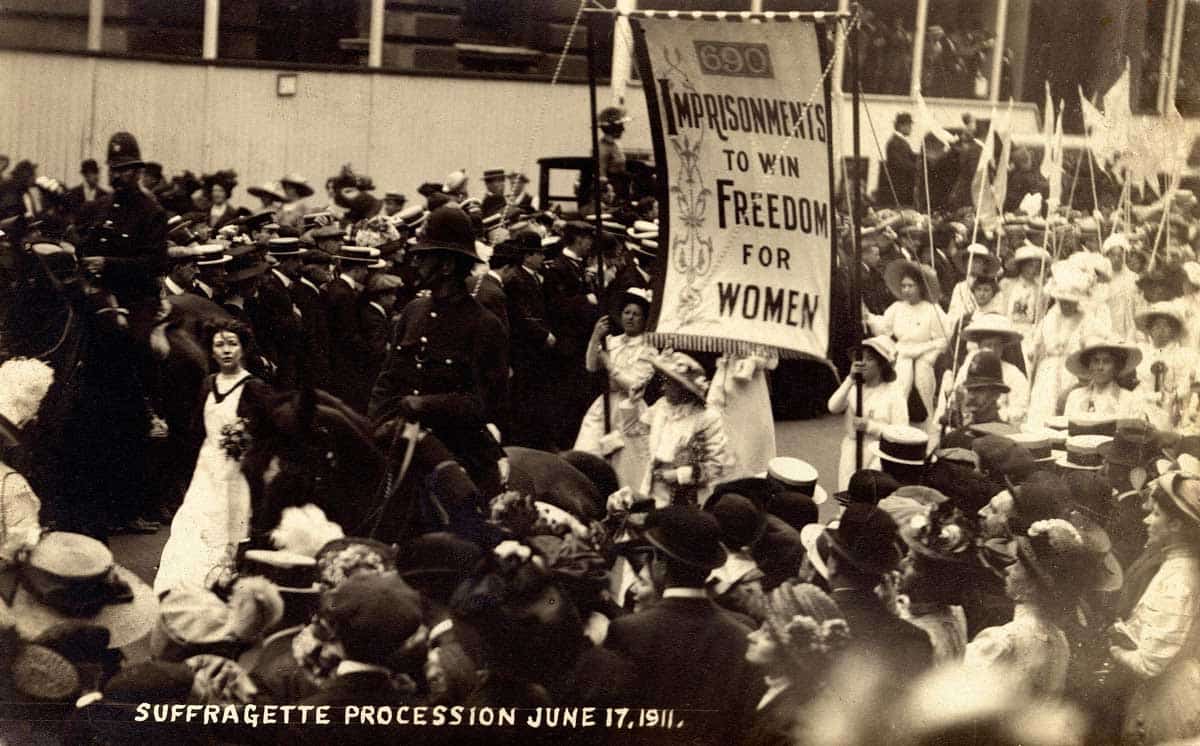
(740, 119)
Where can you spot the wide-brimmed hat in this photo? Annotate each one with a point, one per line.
(448, 228)
(1184, 491)
(902, 444)
(1069, 283)
(866, 537)
(69, 577)
(885, 347)
(979, 259)
(640, 296)
(991, 325)
(1083, 452)
(686, 535)
(942, 533)
(684, 370)
(1162, 309)
(270, 191)
(299, 183)
(986, 371)
(896, 269)
(815, 541)
(1129, 355)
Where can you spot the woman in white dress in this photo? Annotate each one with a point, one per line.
(1024, 298)
(1059, 335)
(919, 326)
(739, 390)
(626, 357)
(1101, 364)
(215, 515)
(883, 404)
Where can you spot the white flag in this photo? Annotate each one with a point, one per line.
(926, 124)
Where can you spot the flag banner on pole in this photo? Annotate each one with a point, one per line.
(740, 118)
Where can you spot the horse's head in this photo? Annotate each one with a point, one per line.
(309, 447)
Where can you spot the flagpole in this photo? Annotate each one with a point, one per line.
(597, 243)
(855, 222)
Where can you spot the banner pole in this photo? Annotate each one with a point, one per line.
(855, 221)
(599, 221)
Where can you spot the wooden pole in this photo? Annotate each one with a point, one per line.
(599, 222)
(856, 219)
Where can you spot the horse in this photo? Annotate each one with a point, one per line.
(89, 450)
(310, 447)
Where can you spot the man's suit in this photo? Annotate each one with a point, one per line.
(902, 167)
(314, 318)
(349, 352)
(81, 209)
(488, 289)
(689, 654)
(569, 293)
(279, 328)
(904, 648)
(531, 361)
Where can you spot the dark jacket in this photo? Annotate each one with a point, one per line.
(526, 315)
(228, 215)
(490, 293)
(377, 328)
(689, 654)
(130, 232)
(572, 315)
(82, 211)
(349, 353)
(904, 648)
(902, 167)
(314, 319)
(280, 331)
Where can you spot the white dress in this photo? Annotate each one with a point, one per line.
(215, 514)
(739, 390)
(883, 404)
(675, 431)
(1054, 340)
(629, 358)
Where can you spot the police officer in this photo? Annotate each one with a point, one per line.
(128, 240)
(447, 363)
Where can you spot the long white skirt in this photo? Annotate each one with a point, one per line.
(629, 461)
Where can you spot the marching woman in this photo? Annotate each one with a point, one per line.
(1024, 299)
(739, 390)
(883, 403)
(1101, 364)
(1168, 369)
(1158, 641)
(215, 515)
(919, 326)
(1059, 335)
(627, 359)
(689, 452)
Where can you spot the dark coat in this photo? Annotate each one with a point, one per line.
(377, 328)
(358, 688)
(526, 316)
(572, 317)
(130, 231)
(875, 293)
(773, 724)
(904, 648)
(447, 358)
(902, 167)
(251, 405)
(492, 204)
(489, 291)
(349, 352)
(664, 643)
(82, 211)
(228, 215)
(533, 386)
(314, 318)
(279, 330)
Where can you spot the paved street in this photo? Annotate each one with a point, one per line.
(815, 441)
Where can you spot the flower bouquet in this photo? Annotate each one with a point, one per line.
(235, 439)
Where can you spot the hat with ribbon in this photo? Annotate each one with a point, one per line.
(902, 444)
(866, 537)
(1169, 310)
(1184, 491)
(984, 325)
(285, 247)
(270, 192)
(867, 486)
(1039, 445)
(885, 347)
(299, 183)
(1128, 357)
(1083, 452)
(684, 370)
(69, 577)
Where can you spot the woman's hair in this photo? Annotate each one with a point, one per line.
(887, 373)
(1118, 356)
(1188, 528)
(914, 274)
(244, 334)
(991, 282)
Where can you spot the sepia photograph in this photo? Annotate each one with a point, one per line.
(589, 372)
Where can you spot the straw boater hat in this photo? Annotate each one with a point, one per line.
(1162, 309)
(981, 261)
(797, 476)
(1083, 452)
(684, 370)
(901, 444)
(1184, 491)
(1039, 444)
(69, 577)
(361, 255)
(991, 325)
(1129, 356)
(892, 276)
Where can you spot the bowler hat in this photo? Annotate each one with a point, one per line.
(123, 151)
(686, 535)
(867, 486)
(1134, 445)
(438, 555)
(985, 371)
(1000, 457)
(372, 616)
(741, 518)
(448, 229)
(866, 537)
(89, 166)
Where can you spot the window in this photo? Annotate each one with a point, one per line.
(323, 32)
(960, 43)
(886, 46)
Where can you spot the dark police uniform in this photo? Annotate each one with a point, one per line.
(131, 235)
(448, 359)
